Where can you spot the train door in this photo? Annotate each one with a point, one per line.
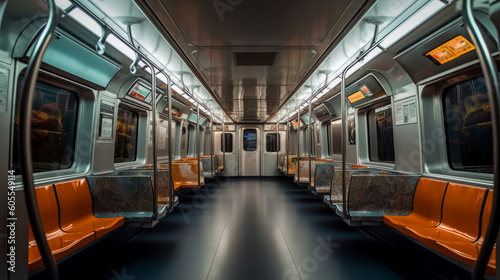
(249, 151)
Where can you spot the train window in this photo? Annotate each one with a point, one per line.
(337, 137)
(250, 140)
(126, 136)
(178, 139)
(327, 138)
(191, 150)
(53, 128)
(381, 135)
(272, 142)
(468, 126)
(228, 138)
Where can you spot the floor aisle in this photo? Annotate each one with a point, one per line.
(250, 229)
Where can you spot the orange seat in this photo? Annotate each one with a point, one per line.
(76, 215)
(292, 165)
(184, 175)
(358, 166)
(221, 167)
(458, 223)
(466, 251)
(427, 203)
(60, 243)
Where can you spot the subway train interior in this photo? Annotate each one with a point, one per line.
(249, 139)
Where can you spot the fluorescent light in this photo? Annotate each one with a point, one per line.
(412, 22)
(63, 4)
(120, 46)
(86, 21)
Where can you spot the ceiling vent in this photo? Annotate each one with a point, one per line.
(255, 58)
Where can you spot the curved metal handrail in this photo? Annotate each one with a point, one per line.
(492, 84)
(27, 97)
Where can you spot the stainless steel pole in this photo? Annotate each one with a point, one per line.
(223, 145)
(297, 167)
(171, 197)
(310, 139)
(198, 140)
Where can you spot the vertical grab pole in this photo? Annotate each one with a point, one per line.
(277, 145)
(198, 140)
(223, 145)
(171, 197)
(311, 140)
(490, 72)
(343, 135)
(154, 112)
(212, 169)
(297, 167)
(154, 123)
(287, 142)
(27, 97)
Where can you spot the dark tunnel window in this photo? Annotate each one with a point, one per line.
(228, 138)
(272, 142)
(250, 140)
(381, 134)
(126, 136)
(468, 126)
(54, 119)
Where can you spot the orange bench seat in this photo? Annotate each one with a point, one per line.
(427, 203)
(466, 251)
(61, 243)
(448, 219)
(76, 215)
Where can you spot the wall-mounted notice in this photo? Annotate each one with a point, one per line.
(406, 111)
(106, 127)
(4, 87)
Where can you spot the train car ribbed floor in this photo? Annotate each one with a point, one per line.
(250, 229)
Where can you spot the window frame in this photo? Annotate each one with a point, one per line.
(278, 142)
(371, 131)
(136, 157)
(84, 142)
(222, 138)
(448, 150)
(256, 141)
(433, 154)
(54, 90)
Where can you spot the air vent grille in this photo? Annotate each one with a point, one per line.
(255, 58)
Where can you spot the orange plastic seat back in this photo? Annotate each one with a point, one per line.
(461, 209)
(49, 211)
(428, 199)
(74, 200)
(486, 216)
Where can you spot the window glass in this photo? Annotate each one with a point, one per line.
(327, 138)
(191, 140)
(126, 136)
(381, 141)
(468, 128)
(272, 142)
(250, 140)
(53, 128)
(228, 138)
(337, 138)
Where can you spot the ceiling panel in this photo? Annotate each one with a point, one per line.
(209, 33)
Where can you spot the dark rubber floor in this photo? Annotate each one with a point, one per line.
(250, 229)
